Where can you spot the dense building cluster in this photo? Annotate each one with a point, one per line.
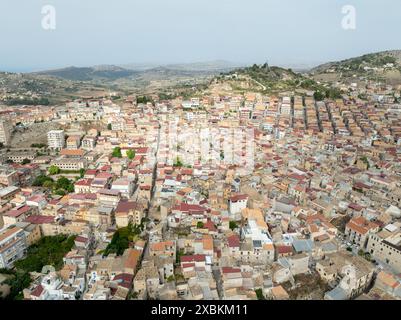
(223, 196)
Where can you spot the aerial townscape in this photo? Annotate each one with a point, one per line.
(202, 182)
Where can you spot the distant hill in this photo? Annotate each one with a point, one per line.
(210, 66)
(165, 72)
(112, 72)
(108, 72)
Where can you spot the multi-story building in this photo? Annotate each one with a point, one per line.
(385, 246)
(17, 215)
(351, 275)
(124, 186)
(5, 132)
(12, 246)
(108, 197)
(358, 229)
(237, 203)
(8, 177)
(128, 211)
(20, 157)
(163, 248)
(70, 164)
(56, 139)
(73, 142)
(257, 246)
(88, 143)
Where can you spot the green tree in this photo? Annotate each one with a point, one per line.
(318, 96)
(143, 100)
(26, 161)
(333, 93)
(117, 152)
(259, 294)
(131, 154)
(54, 170)
(60, 192)
(179, 254)
(41, 180)
(200, 225)
(133, 295)
(255, 67)
(233, 225)
(48, 184)
(178, 162)
(121, 239)
(109, 126)
(81, 173)
(18, 282)
(65, 184)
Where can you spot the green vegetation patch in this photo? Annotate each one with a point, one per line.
(47, 251)
(122, 238)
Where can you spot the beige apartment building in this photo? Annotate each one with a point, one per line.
(386, 246)
(358, 230)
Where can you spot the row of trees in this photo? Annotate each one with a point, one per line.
(332, 93)
(38, 145)
(26, 101)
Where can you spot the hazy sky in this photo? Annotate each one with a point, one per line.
(91, 32)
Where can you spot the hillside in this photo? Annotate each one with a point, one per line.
(382, 66)
(57, 86)
(34, 89)
(269, 79)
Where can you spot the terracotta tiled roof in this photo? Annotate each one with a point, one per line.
(37, 291)
(192, 258)
(233, 241)
(36, 219)
(230, 270)
(238, 197)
